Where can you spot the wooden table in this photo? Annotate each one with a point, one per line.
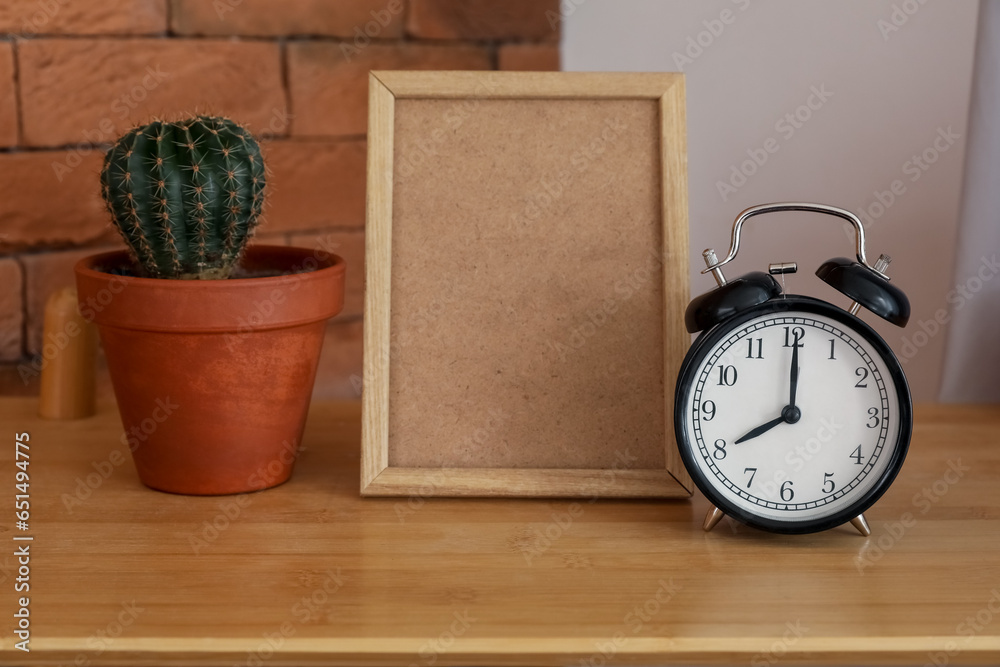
(309, 573)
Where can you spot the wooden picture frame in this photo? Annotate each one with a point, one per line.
(511, 216)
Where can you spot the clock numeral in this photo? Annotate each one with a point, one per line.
(760, 346)
(856, 455)
(862, 373)
(793, 336)
(708, 407)
(828, 485)
(786, 491)
(831, 357)
(873, 420)
(752, 471)
(720, 450)
(727, 376)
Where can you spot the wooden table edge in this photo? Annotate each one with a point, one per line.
(956, 650)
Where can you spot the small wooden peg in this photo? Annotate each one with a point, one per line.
(69, 354)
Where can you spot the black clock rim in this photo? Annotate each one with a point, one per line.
(685, 379)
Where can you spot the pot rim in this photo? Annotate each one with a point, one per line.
(214, 306)
(334, 264)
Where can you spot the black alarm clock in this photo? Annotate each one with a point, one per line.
(791, 414)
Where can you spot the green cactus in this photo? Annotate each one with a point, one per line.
(185, 196)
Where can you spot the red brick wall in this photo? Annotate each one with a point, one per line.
(73, 75)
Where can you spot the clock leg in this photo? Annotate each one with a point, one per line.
(861, 524)
(713, 517)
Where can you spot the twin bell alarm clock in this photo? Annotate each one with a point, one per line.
(792, 414)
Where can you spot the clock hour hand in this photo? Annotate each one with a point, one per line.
(763, 428)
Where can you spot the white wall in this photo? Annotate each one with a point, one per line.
(885, 86)
(972, 360)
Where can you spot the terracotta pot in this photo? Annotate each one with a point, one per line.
(213, 377)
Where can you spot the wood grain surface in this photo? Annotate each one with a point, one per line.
(310, 573)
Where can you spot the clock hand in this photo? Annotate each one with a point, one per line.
(794, 375)
(789, 414)
(763, 428)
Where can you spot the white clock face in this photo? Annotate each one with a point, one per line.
(789, 458)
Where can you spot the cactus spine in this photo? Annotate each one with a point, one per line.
(186, 195)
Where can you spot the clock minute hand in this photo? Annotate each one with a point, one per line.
(793, 380)
(763, 428)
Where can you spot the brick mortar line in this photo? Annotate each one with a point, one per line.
(18, 104)
(56, 248)
(494, 53)
(295, 37)
(140, 36)
(332, 139)
(104, 247)
(168, 14)
(24, 307)
(286, 88)
(405, 19)
(53, 149)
